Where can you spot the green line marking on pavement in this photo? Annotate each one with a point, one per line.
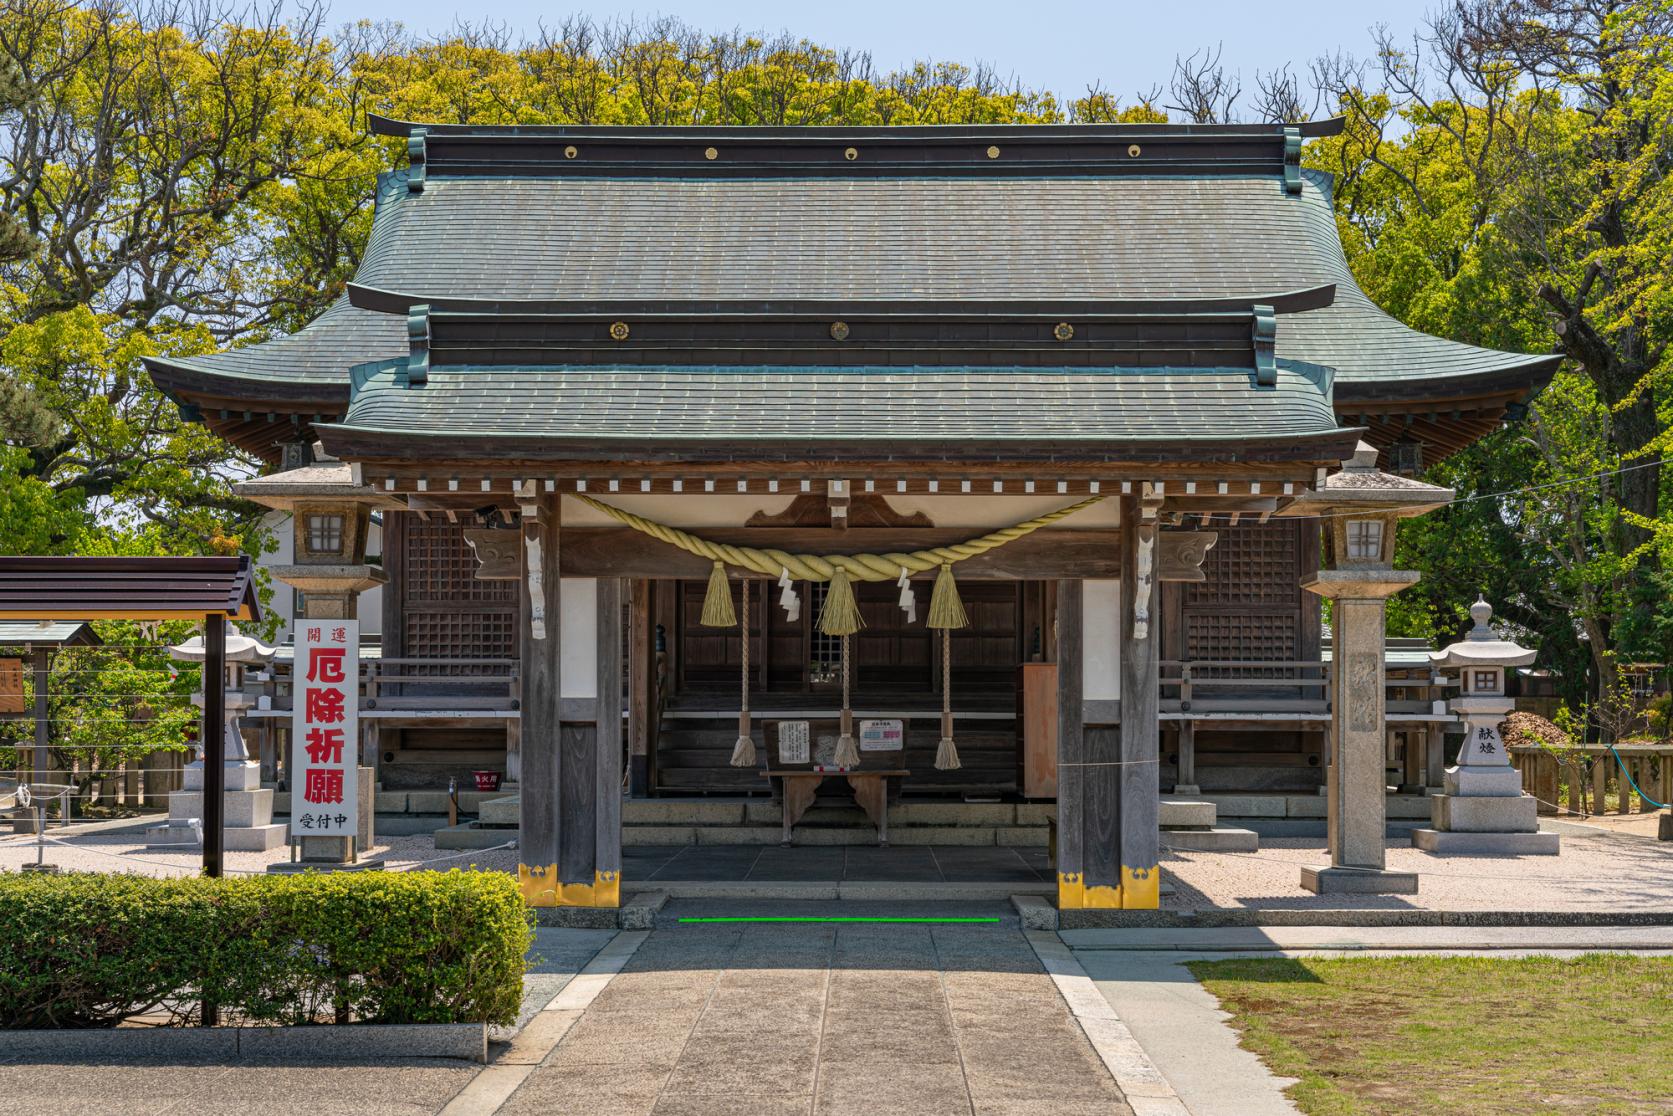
(809, 918)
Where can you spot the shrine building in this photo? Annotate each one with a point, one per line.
(983, 461)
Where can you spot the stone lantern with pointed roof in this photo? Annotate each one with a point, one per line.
(1359, 508)
(331, 513)
(1483, 809)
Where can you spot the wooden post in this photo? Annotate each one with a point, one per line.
(42, 761)
(639, 686)
(539, 637)
(1186, 778)
(1072, 773)
(1138, 777)
(214, 743)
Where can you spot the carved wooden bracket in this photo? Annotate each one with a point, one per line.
(498, 552)
(1180, 554)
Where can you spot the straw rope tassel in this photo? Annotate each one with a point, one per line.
(946, 753)
(743, 753)
(847, 749)
(717, 602)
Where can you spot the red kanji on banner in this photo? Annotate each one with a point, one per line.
(323, 785)
(325, 745)
(325, 664)
(323, 706)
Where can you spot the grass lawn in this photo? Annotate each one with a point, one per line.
(1413, 1035)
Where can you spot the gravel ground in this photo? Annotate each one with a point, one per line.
(126, 852)
(1603, 872)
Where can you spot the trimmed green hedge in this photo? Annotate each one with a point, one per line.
(379, 947)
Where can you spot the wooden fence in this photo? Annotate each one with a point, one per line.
(1586, 777)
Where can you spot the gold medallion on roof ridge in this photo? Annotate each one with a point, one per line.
(993, 152)
(1134, 151)
(1064, 331)
(619, 331)
(839, 330)
(710, 153)
(570, 152)
(851, 153)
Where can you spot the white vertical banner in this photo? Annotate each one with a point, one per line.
(325, 729)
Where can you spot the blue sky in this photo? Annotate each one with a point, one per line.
(1049, 44)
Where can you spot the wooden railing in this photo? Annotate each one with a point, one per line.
(1274, 686)
(1586, 777)
(418, 685)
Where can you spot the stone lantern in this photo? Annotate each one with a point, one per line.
(331, 513)
(1483, 809)
(248, 809)
(1359, 508)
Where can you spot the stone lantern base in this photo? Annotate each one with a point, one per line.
(1485, 825)
(1339, 880)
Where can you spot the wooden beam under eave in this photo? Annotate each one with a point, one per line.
(1048, 553)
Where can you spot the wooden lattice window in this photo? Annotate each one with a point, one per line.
(1250, 608)
(446, 612)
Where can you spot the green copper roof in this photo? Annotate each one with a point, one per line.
(873, 239)
(633, 405)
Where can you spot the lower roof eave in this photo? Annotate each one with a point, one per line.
(350, 443)
(1521, 381)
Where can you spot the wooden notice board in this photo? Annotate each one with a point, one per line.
(1037, 715)
(11, 686)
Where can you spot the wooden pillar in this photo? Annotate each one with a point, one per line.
(1140, 751)
(1074, 777)
(1185, 780)
(42, 761)
(639, 687)
(214, 736)
(539, 639)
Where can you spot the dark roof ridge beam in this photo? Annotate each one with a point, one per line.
(896, 135)
(1285, 302)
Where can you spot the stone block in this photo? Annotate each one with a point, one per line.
(1486, 844)
(281, 802)
(1219, 839)
(735, 835)
(1036, 913)
(1173, 812)
(1407, 807)
(1249, 805)
(665, 835)
(1022, 836)
(429, 802)
(239, 775)
(935, 835)
(175, 835)
(501, 811)
(1328, 880)
(1305, 806)
(1035, 813)
(952, 813)
(638, 911)
(470, 836)
(242, 809)
(1482, 782)
(260, 838)
(675, 811)
(390, 802)
(1485, 815)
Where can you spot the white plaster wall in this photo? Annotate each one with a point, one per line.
(1100, 640)
(283, 604)
(699, 509)
(578, 655)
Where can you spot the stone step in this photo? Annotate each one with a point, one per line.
(1221, 838)
(678, 812)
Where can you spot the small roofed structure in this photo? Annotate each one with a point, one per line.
(210, 590)
(75, 588)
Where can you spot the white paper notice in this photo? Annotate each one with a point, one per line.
(325, 729)
(792, 742)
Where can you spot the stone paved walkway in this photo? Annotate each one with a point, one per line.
(825, 1020)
